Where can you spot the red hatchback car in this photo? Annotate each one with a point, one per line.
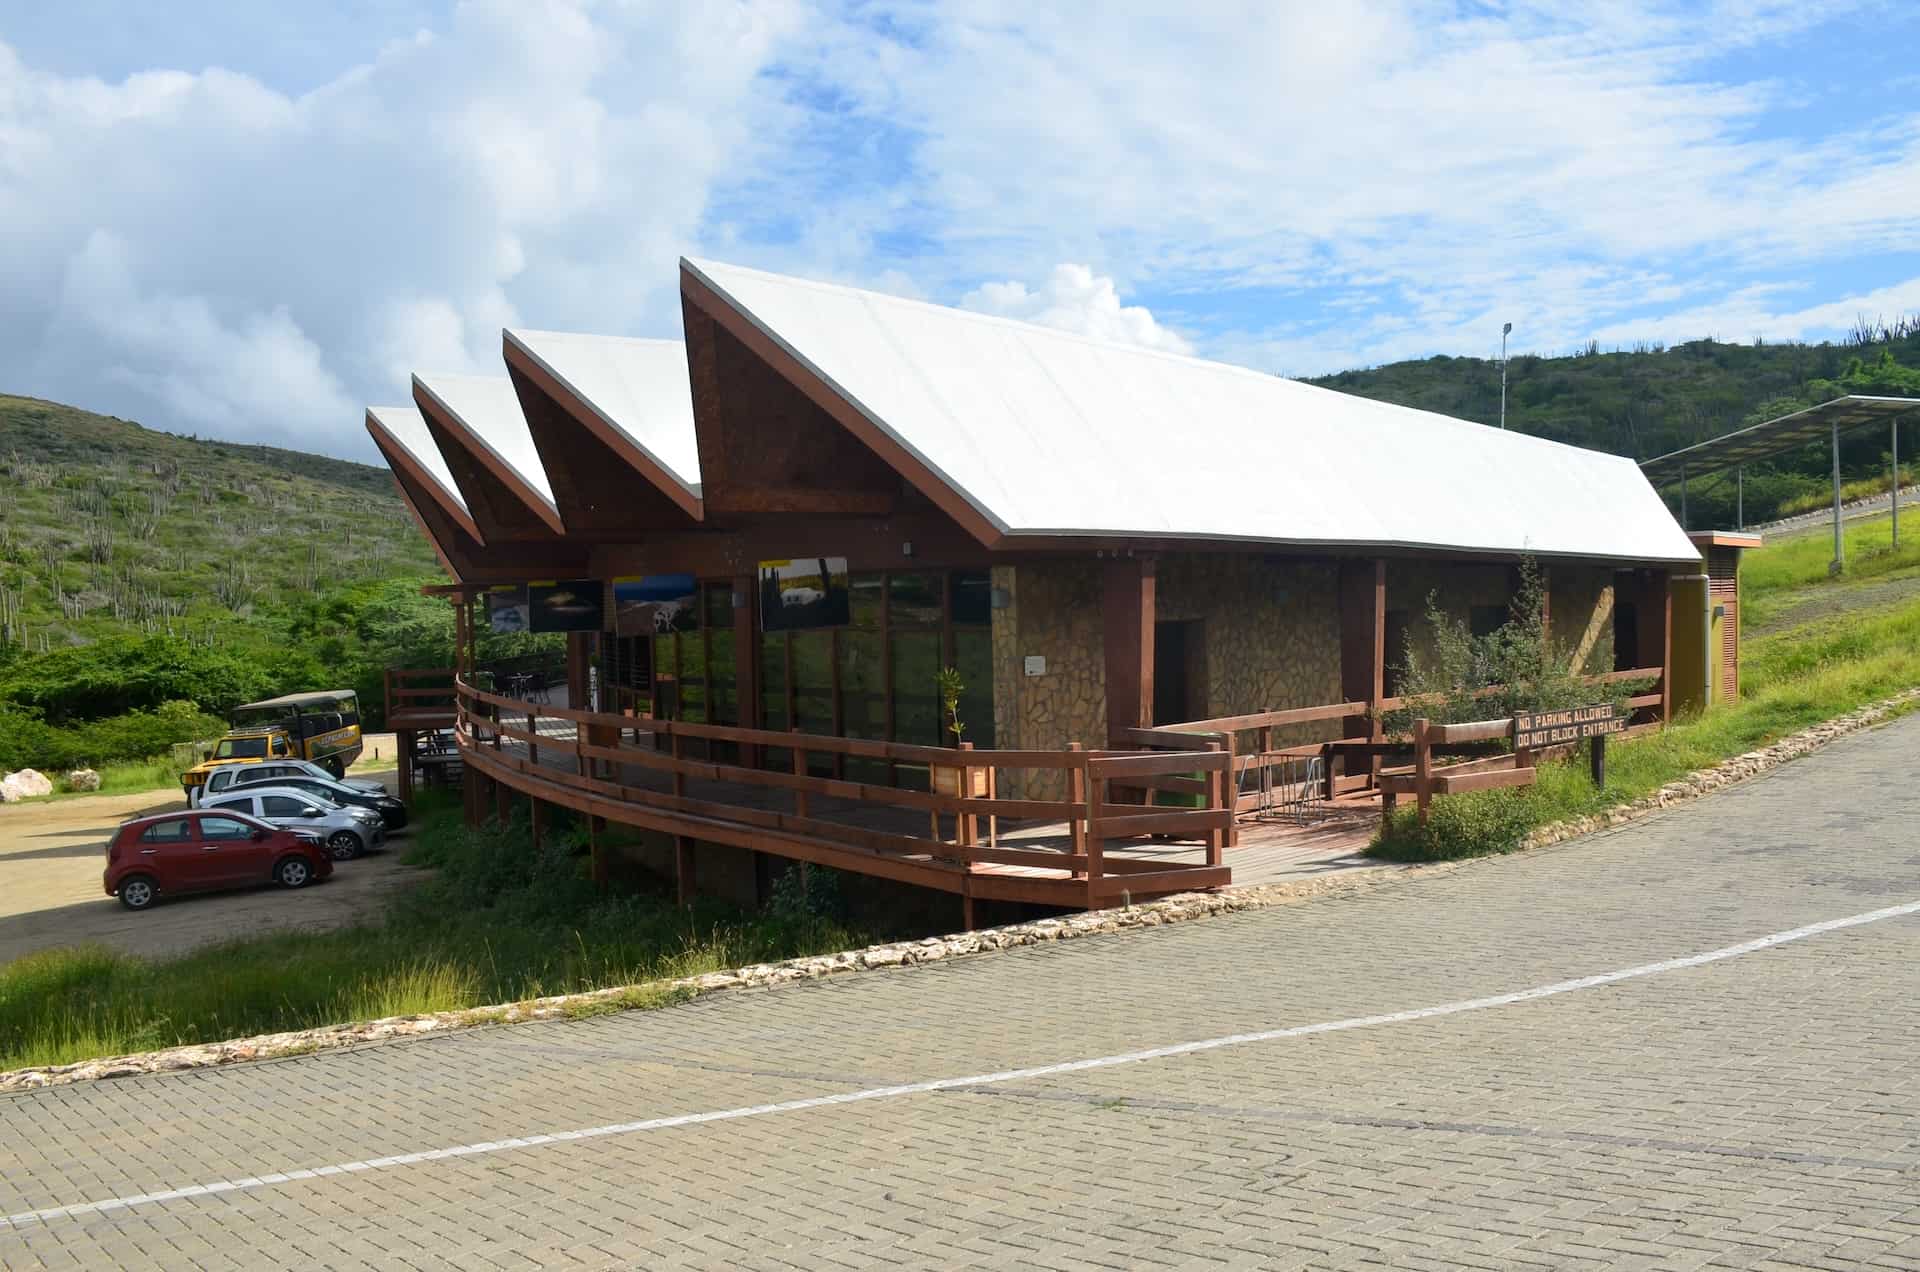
(202, 852)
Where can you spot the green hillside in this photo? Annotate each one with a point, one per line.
(147, 578)
(1652, 400)
(108, 528)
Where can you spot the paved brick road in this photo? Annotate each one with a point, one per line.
(1758, 1111)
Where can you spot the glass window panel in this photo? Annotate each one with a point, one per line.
(915, 600)
(863, 685)
(718, 600)
(866, 596)
(693, 656)
(973, 659)
(813, 681)
(773, 680)
(972, 596)
(916, 701)
(813, 691)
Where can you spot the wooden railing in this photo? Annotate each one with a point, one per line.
(408, 692)
(779, 809)
(1252, 764)
(1423, 781)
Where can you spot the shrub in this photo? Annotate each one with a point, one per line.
(1471, 825)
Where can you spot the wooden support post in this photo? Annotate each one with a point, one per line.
(596, 826)
(502, 802)
(534, 820)
(403, 774)
(1597, 759)
(1230, 790)
(967, 922)
(533, 731)
(1077, 796)
(579, 660)
(1127, 628)
(683, 869)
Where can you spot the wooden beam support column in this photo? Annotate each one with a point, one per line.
(579, 658)
(683, 869)
(1128, 607)
(596, 827)
(534, 820)
(1363, 644)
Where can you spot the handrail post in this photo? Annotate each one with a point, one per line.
(1221, 793)
(533, 731)
(1096, 867)
(1077, 796)
(1422, 768)
(1231, 837)
(964, 825)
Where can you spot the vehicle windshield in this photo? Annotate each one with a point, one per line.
(241, 749)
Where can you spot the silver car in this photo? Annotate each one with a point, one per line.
(225, 775)
(346, 832)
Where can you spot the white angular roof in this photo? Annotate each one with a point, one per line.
(1049, 433)
(639, 388)
(487, 410)
(407, 429)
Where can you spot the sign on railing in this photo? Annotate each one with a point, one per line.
(1535, 729)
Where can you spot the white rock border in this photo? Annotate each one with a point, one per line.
(1175, 909)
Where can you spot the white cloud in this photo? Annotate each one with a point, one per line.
(541, 161)
(1074, 298)
(1301, 188)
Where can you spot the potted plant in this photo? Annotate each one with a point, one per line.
(959, 779)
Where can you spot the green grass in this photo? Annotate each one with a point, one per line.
(1792, 569)
(1789, 682)
(496, 923)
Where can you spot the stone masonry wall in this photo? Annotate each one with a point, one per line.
(1054, 611)
(1272, 632)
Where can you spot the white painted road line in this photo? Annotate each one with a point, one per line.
(83, 1208)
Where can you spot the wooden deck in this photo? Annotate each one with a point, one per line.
(1270, 848)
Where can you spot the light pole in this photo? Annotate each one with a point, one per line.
(1504, 329)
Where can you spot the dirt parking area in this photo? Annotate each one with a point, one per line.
(52, 855)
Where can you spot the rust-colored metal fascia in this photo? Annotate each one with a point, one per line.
(400, 459)
(502, 472)
(588, 417)
(743, 327)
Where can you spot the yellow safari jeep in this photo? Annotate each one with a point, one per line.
(321, 727)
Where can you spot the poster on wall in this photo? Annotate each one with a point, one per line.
(507, 609)
(564, 605)
(803, 593)
(654, 604)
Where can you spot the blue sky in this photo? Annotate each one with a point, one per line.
(249, 220)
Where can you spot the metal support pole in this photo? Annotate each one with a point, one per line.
(1839, 551)
(1896, 483)
(1740, 495)
(1683, 497)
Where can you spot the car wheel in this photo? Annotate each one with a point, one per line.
(333, 765)
(137, 892)
(293, 872)
(344, 845)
